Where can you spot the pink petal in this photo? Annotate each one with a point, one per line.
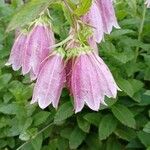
(15, 58)
(37, 48)
(50, 82)
(108, 15)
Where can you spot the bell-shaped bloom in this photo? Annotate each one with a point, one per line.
(108, 15)
(16, 54)
(50, 81)
(101, 17)
(91, 81)
(94, 18)
(147, 3)
(37, 48)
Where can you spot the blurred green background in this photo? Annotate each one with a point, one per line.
(123, 125)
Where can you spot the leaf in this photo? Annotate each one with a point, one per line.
(66, 132)
(65, 111)
(84, 6)
(107, 126)
(124, 115)
(28, 13)
(147, 128)
(83, 124)
(126, 86)
(4, 79)
(144, 138)
(40, 117)
(37, 142)
(126, 133)
(11, 109)
(76, 138)
(113, 144)
(93, 118)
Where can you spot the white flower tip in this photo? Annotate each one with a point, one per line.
(7, 64)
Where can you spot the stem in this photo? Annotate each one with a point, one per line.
(140, 32)
(62, 42)
(19, 148)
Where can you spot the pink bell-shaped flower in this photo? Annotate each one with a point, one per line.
(16, 54)
(94, 18)
(37, 48)
(91, 81)
(108, 15)
(50, 81)
(101, 17)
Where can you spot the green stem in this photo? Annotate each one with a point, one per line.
(140, 32)
(19, 148)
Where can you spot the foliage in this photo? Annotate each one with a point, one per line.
(124, 124)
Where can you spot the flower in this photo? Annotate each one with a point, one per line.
(108, 15)
(15, 58)
(37, 48)
(147, 3)
(91, 81)
(50, 81)
(101, 17)
(94, 18)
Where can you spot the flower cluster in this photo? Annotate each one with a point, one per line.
(73, 64)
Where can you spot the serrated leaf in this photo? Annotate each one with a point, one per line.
(28, 13)
(124, 115)
(83, 124)
(107, 126)
(40, 117)
(65, 111)
(76, 138)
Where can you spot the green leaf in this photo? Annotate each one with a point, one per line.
(66, 132)
(65, 111)
(126, 133)
(83, 124)
(40, 117)
(76, 138)
(144, 138)
(124, 115)
(93, 118)
(126, 86)
(37, 142)
(28, 13)
(147, 128)
(107, 126)
(113, 144)
(84, 6)
(4, 79)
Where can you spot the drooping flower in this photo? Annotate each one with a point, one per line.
(101, 17)
(147, 3)
(50, 81)
(94, 18)
(16, 54)
(108, 15)
(91, 81)
(37, 48)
